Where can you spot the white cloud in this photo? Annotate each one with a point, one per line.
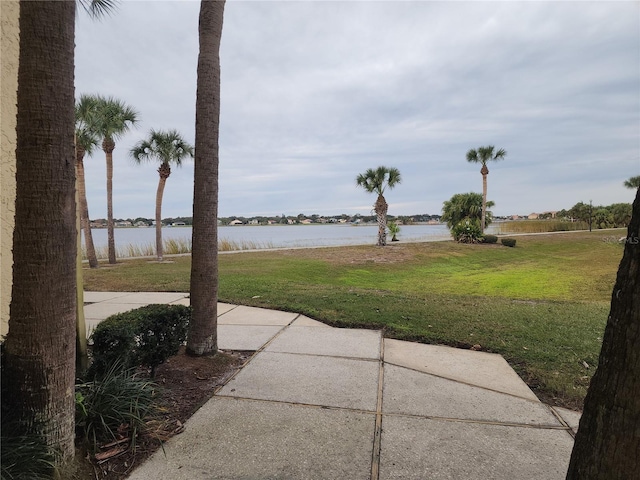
(314, 93)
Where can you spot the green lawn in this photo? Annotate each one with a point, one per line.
(542, 305)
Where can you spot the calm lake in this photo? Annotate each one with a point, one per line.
(278, 235)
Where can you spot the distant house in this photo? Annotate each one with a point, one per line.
(178, 224)
(533, 216)
(235, 222)
(254, 222)
(306, 221)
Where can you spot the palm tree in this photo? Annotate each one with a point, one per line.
(86, 141)
(483, 155)
(606, 444)
(167, 148)
(633, 182)
(38, 357)
(376, 181)
(465, 206)
(39, 350)
(113, 118)
(203, 338)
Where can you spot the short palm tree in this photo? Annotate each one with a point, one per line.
(483, 155)
(167, 148)
(465, 206)
(633, 182)
(86, 141)
(377, 181)
(113, 118)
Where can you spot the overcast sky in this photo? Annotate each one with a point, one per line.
(316, 92)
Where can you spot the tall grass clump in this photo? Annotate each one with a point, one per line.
(175, 246)
(24, 457)
(116, 405)
(539, 226)
(226, 245)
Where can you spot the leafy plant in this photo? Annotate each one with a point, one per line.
(24, 457)
(489, 239)
(508, 242)
(467, 231)
(394, 230)
(145, 336)
(113, 406)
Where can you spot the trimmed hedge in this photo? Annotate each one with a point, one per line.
(146, 336)
(490, 239)
(508, 242)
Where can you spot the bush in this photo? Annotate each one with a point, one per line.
(508, 242)
(145, 336)
(467, 231)
(116, 404)
(25, 457)
(490, 239)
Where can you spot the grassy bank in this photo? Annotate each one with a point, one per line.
(543, 304)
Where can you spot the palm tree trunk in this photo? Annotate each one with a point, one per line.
(484, 171)
(202, 338)
(84, 210)
(38, 374)
(159, 193)
(608, 440)
(111, 242)
(381, 207)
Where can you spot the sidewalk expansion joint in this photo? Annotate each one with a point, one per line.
(479, 422)
(467, 383)
(344, 357)
(377, 436)
(250, 359)
(297, 404)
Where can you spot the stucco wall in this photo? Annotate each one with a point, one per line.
(9, 54)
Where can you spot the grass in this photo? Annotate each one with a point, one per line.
(540, 226)
(175, 246)
(543, 305)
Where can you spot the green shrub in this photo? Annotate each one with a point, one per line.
(163, 328)
(24, 457)
(508, 242)
(145, 336)
(467, 231)
(115, 404)
(489, 239)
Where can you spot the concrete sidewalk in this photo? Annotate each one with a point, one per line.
(317, 402)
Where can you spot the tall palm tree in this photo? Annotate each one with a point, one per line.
(484, 155)
(633, 182)
(167, 148)
(86, 141)
(39, 354)
(203, 338)
(113, 118)
(377, 181)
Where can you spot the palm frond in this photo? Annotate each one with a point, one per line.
(98, 8)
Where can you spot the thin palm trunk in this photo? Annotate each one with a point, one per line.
(484, 171)
(159, 194)
(111, 242)
(84, 210)
(38, 370)
(381, 207)
(202, 338)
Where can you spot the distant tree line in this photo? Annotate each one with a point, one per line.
(283, 219)
(611, 216)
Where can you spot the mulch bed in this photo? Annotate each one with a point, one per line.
(187, 383)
